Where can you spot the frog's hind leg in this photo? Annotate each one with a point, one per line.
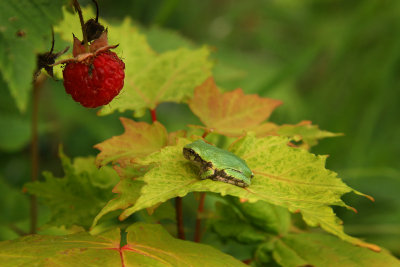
(229, 181)
(207, 174)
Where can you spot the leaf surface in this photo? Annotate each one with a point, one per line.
(304, 132)
(231, 113)
(171, 77)
(25, 31)
(316, 249)
(284, 176)
(139, 139)
(147, 245)
(76, 198)
(154, 244)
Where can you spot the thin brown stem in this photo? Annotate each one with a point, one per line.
(97, 10)
(35, 150)
(200, 209)
(179, 218)
(78, 9)
(52, 41)
(205, 134)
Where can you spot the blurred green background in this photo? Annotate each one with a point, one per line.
(334, 62)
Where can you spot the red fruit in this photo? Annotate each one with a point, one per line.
(96, 80)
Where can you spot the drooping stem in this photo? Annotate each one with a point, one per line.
(97, 10)
(179, 218)
(153, 114)
(200, 209)
(35, 150)
(52, 41)
(78, 9)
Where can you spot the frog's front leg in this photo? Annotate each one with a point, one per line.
(207, 174)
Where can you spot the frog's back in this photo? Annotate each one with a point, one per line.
(220, 158)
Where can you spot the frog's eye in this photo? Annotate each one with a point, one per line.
(189, 153)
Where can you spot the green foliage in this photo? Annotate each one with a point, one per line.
(146, 245)
(268, 227)
(25, 32)
(284, 176)
(266, 223)
(324, 250)
(77, 197)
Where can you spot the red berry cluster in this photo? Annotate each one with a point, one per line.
(96, 80)
(95, 75)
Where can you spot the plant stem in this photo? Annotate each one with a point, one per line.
(78, 9)
(205, 134)
(248, 262)
(179, 218)
(35, 150)
(153, 114)
(200, 209)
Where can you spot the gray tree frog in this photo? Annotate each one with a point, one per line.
(218, 164)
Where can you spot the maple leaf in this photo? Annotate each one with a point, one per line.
(231, 113)
(147, 245)
(284, 176)
(139, 139)
(128, 190)
(76, 198)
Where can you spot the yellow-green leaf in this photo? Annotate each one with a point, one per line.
(170, 77)
(284, 176)
(303, 132)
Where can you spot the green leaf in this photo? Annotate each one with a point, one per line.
(324, 250)
(25, 31)
(76, 198)
(139, 139)
(231, 226)
(284, 176)
(163, 250)
(265, 216)
(128, 190)
(303, 132)
(147, 245)
(171, 77)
